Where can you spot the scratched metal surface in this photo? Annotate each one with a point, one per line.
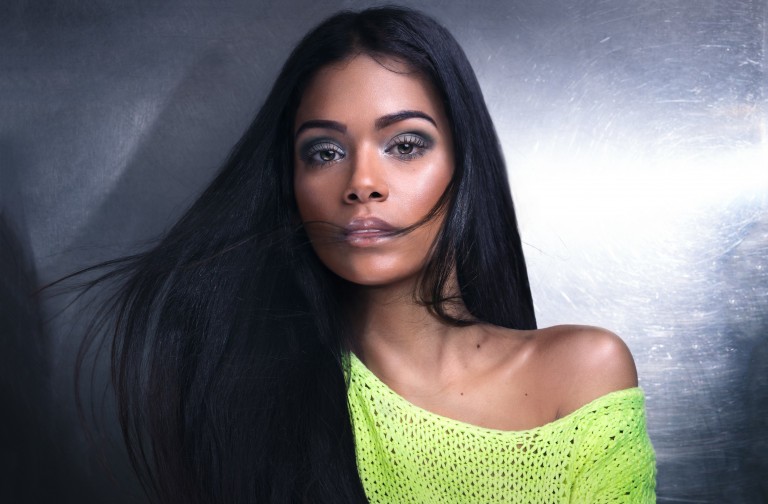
(636, 135)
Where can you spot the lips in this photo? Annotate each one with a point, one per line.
(364, 231)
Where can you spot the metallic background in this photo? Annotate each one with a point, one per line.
(636, 134)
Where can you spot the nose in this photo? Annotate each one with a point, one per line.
(367, 180)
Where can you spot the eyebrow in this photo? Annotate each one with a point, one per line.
(321, 123)
(381, 123)
(384, 121)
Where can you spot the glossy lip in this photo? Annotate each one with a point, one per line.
(368, 231)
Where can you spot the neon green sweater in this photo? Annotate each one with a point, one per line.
(599, 453)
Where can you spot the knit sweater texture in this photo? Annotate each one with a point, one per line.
(600, 453)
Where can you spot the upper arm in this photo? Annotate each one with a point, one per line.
(593, 362)
(614, 460)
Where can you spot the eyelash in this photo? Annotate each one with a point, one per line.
(314, 149)
(419, 144)
(419, 147)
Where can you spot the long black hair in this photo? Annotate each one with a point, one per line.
(229, 335)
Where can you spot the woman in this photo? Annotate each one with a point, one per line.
(344, 314)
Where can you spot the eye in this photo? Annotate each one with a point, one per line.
(322, 153)
(408, 146)
(405, 148)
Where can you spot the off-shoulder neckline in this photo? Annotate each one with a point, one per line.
(570, 418)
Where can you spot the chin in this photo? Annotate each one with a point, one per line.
(379, 281)
(372, 267)
(376, 277)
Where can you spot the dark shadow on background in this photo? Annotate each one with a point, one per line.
(170, 163)
(745, 268)
(174, 159)
(28, 471)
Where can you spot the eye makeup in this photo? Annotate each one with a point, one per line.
(403, 146)
(409, 145)
(320, 151)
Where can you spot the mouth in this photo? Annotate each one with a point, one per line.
(368, 231)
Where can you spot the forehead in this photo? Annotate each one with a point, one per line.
(362, 88)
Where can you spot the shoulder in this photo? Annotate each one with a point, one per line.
(583, 363)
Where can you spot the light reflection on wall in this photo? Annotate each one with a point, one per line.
(674, 257)
(638, 158)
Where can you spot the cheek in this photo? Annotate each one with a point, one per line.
(422, 192)
(311, 198)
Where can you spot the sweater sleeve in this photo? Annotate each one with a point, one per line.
(615, 461)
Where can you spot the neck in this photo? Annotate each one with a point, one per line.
(393, 329)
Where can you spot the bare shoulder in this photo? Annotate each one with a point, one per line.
(583, 363)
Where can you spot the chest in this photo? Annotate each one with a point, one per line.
(499, 399)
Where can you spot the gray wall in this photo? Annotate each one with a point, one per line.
(637, 140)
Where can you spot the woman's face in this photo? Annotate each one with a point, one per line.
(373, 154)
